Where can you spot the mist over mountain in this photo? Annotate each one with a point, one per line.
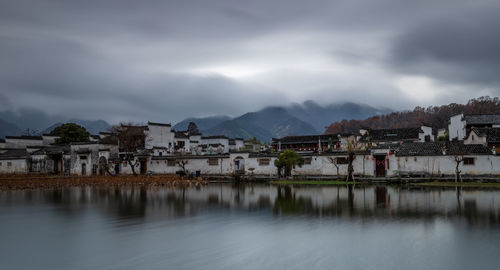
(7, 129)
(92, 126)
(264, 124)
(202, 123)
(29, 118)
(38, 122)
(275, 121)
(322, 116)
(279, 121)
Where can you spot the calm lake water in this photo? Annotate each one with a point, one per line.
(225, 226)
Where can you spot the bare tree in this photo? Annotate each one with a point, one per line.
(458, 160)
(131, 138)
(335, 163)
(182, 164)
(351, 155)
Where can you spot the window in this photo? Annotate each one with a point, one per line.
(264, 161)
(213, 161)
(469, 161)
(160, 154)
(9, 164)
(307, 161)
(342, 160)
(171, 162)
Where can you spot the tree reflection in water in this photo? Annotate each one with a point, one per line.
(474, 207)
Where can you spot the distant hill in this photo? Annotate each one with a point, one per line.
(434, 116)
(322, 116)
(7, 129)
(34, 119)
(202, 123)
(39, 122)
(279, 121)
(264, 124)
(92, 126)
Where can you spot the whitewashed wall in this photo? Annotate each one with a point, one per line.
(16, 166)
(473, 138)
(437, 165)
(159, 136)
(161, 166)
(456, 127)
(427, 131)
(223, 141)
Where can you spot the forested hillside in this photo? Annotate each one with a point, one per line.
(435, 116)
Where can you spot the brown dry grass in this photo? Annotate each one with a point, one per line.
(14, 182)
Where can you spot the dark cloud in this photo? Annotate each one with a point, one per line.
(458, 47)
(167, 60)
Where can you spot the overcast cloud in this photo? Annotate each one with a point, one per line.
(167, 60)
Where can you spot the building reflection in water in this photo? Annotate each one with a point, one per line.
(472, 206)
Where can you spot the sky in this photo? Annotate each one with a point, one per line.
(129, 60)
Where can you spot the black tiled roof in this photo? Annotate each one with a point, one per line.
(441, 148)
(24, 137)
(421, 149)
(14, 153)
(2, 140)
(492, 134)
(215, 137)
(306, 139)
(397, 134)
(482, 119)
(159, 124)
(458, 148)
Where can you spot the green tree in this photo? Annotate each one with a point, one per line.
(286, 161)
(70, 132)
(444, 138)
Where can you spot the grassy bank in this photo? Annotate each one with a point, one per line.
(312, 182)
(453, 184)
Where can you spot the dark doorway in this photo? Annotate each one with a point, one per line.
(144, 166)
(380, 166)
(84, 169)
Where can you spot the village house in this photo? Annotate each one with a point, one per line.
(22, 141)
(392, 153)
(308, 143)
(460, 125)
(397, 135)
(489, 137)
(236, 144)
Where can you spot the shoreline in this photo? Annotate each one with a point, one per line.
(21, 182)
(27, 182)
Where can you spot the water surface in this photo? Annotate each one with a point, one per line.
(225, 226)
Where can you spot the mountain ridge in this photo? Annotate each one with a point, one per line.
(278, 121)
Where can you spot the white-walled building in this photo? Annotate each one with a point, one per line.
(22, 141)
(460, 125)
(215, 144)
(159, 135)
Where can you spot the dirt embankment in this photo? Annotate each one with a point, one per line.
(15, 182)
